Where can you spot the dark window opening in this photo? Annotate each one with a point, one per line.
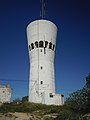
(46, 44)
(41, 82)
(41, 67)
(51, 95)
(36, 44)
(44, 50)
(41, 50)
(29, 48)
(62, 95)
(40, 43)
(53, 47)
(50, 45)
(32, 46)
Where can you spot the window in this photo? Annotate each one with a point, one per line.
(53, 47)
(36, 44)
(62, 95)
(41, 50)
(29, 48)
(50, 45)
(41, 67)
(51, 95)
(32, 46)
(36, 91)
(40, 43)
(46, 44)
(41, 82)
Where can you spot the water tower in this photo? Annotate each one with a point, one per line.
(41, 35)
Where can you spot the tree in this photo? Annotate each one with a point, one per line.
(87, 93)
(17, 100)
(88, 82)
(25, 99)
(81, 98)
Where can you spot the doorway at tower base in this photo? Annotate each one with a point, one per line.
(51, 99)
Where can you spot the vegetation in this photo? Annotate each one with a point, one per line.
(17, 100)
(80, 100)
(25, 99)
(76, 107)
(28, 107)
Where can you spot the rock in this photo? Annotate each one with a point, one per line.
(26, 116)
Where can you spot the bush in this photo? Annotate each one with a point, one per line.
(67, 115)
(24, 107)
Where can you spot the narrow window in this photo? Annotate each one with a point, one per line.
(40, 43)
(32, 46)
(51, 96)
(41, 67)
(53, 47)
(36, 91)
(41, 82)
(36, 44)
(41, 50)
(50, 45)
(62, 95)
(29, 48)
(46, 44)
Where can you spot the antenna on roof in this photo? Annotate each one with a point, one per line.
(42, 12)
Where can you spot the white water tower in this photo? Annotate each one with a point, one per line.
(41, 36)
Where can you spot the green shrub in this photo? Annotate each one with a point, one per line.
(67, 115)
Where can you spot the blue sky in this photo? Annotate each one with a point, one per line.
(72, 60)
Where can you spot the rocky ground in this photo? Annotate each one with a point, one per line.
(38, 115)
